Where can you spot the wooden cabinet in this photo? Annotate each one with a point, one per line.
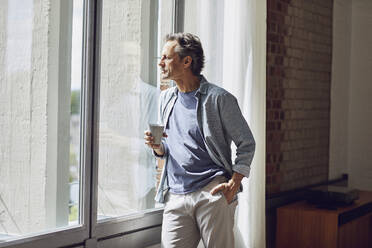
(303, 225)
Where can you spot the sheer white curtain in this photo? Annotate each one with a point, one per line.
(244, 75)
(233, 34)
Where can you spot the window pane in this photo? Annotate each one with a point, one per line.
(40, 78)
(128, 102)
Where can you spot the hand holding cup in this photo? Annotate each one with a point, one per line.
(153, 137)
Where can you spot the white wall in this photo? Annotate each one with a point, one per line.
(351, 105)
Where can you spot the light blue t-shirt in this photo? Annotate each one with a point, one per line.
(189, 165)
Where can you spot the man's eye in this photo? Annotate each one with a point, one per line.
(164, 57)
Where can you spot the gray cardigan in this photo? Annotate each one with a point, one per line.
(220, 121)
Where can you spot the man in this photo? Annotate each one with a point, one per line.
(199, 182)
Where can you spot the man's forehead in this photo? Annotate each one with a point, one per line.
(169, 46)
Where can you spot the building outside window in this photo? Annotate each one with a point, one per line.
(78, 86)
(40, 82)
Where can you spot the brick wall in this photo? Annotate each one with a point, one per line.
(299, 45)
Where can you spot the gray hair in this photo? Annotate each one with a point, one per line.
(189, 45)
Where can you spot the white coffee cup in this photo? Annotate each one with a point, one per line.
(156, 132)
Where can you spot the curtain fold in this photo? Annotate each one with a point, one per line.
(233, 34)
(244, 75)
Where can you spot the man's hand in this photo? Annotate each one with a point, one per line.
(149, 140)
(229, 188)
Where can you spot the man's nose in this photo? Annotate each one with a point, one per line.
(161, 63)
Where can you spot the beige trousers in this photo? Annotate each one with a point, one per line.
(198, 215)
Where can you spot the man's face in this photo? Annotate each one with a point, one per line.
(171, 66)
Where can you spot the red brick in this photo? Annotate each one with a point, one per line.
(299, 59)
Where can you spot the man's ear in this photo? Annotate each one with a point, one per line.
(187, 61)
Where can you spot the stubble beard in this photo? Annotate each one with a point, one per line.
(164, 75)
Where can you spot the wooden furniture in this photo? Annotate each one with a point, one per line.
(303, 225)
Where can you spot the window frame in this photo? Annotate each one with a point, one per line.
(146, 221)
(122, 230)
(76, 235)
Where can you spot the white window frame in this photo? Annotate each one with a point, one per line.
(68, 236)
(133, 230)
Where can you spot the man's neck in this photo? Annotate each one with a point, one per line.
(188, 84)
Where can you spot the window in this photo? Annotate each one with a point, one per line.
(40, 81)
(131, 34)
(128, 101)
(78, 86)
